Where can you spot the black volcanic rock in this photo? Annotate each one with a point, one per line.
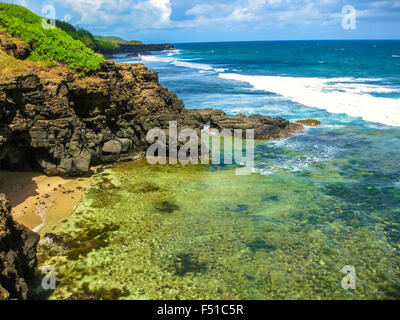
(61, 123)
(17, 255)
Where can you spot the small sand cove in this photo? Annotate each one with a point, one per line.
(38, 200)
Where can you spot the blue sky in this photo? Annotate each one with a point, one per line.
(227, 20)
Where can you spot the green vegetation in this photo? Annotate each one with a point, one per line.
(117, 40)
(135, 42)
(10, 66)
(78, 34)
(111, 39)
(54, 45)
(106, 45)
(87, 38)
(96, 43)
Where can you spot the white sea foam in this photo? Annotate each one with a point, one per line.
(396, 56)
(308, 155)
(156, 59)
(171, 53)
(337, 95)
(192, 65)
(184, 63)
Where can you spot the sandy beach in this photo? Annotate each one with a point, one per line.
(38, 200)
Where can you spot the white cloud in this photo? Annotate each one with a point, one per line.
(136, 14)
(256, 4)
(67, 17)
(160, 8)
(203, 15)
(259, 12)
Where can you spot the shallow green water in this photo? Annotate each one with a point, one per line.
(201, 232)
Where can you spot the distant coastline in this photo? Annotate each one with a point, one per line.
(134, 50)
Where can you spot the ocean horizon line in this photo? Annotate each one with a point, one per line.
(258, 41)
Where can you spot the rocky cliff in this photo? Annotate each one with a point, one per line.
(17, 255)
(58, 122)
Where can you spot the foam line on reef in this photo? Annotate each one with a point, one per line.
(336, 95)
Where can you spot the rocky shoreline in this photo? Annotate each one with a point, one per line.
(62, 124)
(57, 122)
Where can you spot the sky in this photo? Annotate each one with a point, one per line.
(178, 21)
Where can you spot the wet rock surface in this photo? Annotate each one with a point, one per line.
(17, 255)
(265, 128)
(310, 122)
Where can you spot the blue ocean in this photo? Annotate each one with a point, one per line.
(321, 201)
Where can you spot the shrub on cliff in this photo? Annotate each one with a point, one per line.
(77, 33)
(48, 44)
(106, 45)
(86, 37)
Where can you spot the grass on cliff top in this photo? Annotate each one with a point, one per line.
(10, 66)
(117, 40)
(53, 45)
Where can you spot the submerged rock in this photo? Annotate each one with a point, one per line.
(241, 208)
(52, 240)
(167, 207)
(260, 244)
(17, 255)
(187, 262)
(310, 122)
(87, 297)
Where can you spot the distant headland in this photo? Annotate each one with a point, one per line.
(109, 46)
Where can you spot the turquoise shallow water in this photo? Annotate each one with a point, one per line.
(321, 199)
(199, 232)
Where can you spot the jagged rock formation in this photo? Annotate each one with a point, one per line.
(61, 123)
(17, 255)
(265, 128)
